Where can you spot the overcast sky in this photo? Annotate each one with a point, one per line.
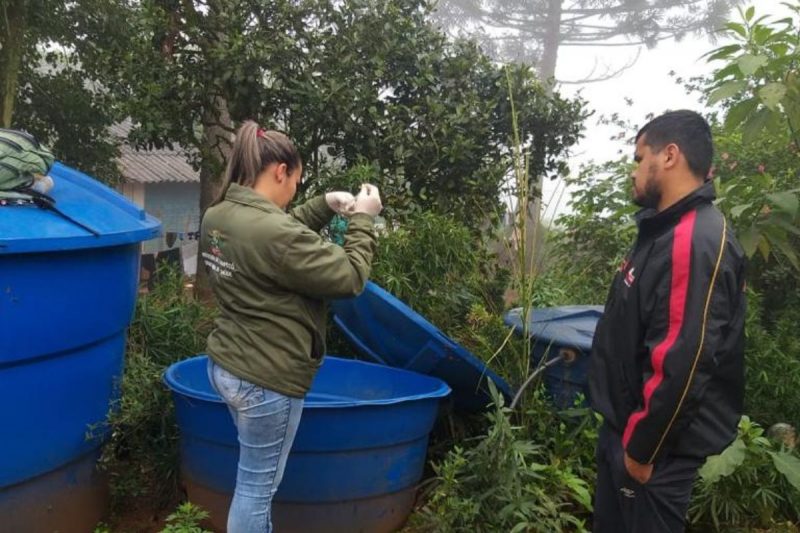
(648, 84)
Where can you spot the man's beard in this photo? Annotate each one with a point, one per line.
(651, 196)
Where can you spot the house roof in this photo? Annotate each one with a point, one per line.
(160, 165)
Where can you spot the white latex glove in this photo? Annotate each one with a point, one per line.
(368, 201)
(341, 202)
(42, 184)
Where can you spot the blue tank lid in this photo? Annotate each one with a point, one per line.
(115, 219)
(570, 325)
(389, 332)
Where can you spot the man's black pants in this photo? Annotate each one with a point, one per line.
(624, 505)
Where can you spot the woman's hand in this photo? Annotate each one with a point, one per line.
(341, 202)
(368, 201)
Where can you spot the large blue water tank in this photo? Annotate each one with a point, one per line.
(67, 295)
(355, 463)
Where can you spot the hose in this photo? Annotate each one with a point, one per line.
(565, 354)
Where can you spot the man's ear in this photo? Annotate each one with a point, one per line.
(672, 154)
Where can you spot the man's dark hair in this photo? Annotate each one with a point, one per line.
(689, 131)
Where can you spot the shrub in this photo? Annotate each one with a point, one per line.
(436, 266)
(754, 483)
(141, 455)
(772, 365)
(503, 481)
(589, 242)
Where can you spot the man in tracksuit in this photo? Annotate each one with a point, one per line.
(667, 364)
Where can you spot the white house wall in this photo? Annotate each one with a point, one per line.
(177, 206)
(134, 192)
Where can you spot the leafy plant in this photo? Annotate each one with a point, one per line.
(484, 334)
(752, 484)
(186, 519)
(590, 241)
(49, 82)
(439, 268)
(503, 481)
(757, 185)
(760, 88)
(528, 470)
(141, 455)
(760, 80)
(773, 368)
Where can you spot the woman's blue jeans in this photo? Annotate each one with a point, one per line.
(267, 424)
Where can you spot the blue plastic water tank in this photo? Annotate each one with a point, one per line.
(389, 332)
(355, 463)
(554, 330)
(66, 298)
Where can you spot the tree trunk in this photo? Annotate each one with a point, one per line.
(217, 142)
(12, 37)
(550, 43)
(547, 74)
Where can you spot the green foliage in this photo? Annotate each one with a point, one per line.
(591, 239)
(503, 481)
(485, 335)
(141, 455)
(55, 85)
(752, 484)
(569, 434)
(760, 89)
(439, 268)
(759, 83)
(779, 287)
(65, 113)
(773, 367)
(186, 519)
(757, 186)
(755, 181)
(355, 81)
(528, 471)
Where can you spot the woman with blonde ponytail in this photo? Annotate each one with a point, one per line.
(271, 274)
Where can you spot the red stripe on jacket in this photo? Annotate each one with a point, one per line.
(681, 259)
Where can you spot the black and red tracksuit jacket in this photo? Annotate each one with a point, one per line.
(667, 361)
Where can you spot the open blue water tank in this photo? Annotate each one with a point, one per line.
(355, 463)
(67, 295)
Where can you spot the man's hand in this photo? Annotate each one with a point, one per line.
(638, 471)
(341, 202)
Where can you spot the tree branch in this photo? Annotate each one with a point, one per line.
(608, 45)
(607, 76)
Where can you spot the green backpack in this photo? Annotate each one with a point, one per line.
(21, 158)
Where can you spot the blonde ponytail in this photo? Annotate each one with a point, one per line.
(253, 150)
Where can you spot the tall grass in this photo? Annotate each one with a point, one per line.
(531, 469)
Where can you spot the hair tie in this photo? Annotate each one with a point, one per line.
(261, 133)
